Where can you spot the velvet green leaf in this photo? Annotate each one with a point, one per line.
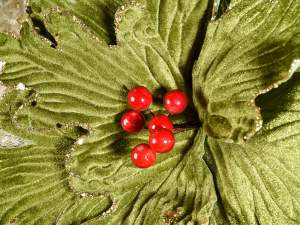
(179, 23)
(65, 101)
(83, 80)
(181, 26)
(179, 188)
(259, 181)
(247, 52)
(33, 181)
(98, 15)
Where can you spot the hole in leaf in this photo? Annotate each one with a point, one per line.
(59, 125)
(33, 103)
(30, 93)
(81, 131)
(18, 104)
(41, 29)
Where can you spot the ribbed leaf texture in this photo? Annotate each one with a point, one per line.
(64, 158)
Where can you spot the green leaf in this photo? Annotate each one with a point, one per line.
(78, 82)
(98, 15)
(247, 52)
(67, 101)
(181, 24)
(259, 181)
(178, 22)
(178, 188)
(34, 188)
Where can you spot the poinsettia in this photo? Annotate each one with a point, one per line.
(67, 80)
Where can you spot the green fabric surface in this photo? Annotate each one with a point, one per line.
(237, 152)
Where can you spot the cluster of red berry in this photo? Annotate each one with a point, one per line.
(160, 126)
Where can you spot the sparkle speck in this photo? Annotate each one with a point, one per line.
(2, 65)
(294, 67)
(80, 141)
(83, 195)
(21, 87)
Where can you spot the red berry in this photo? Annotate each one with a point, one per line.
(160, 121)
(175, 101)
(143, 156)
(161, 140)
(139, 98)
(132, 121)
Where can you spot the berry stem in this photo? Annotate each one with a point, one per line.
(152, 113)
(148, 111)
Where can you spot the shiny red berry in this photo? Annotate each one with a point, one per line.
(161, 140)
(132, 121)
(143, 156)
(175, 101)
(139, 98)
(160, 121)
